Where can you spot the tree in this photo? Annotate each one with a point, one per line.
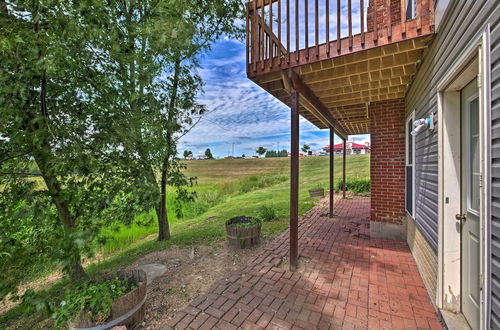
(187, 153)
(94, 96)
(61, 172)
(271, 153)
(274, 153)
(243, 156)
(305, 148)
(283, 153)
(208, 153)
(153, 46)
(260, 151)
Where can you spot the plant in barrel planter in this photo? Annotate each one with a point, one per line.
(243, 232)
(114, 300)
(317, 191)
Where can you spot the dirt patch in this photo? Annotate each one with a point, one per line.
(190, 273)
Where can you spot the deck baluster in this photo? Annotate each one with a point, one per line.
(297, 45)
(338, 26)
(375, 24)
(271, 48)
(306, 12)
(362, 21)
(316, 25)
(255, 37)
(327, 5)
(349, 18)
(263, 37)
(279, 32)
(288, 30)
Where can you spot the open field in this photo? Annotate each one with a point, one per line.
(225, 188)
(220, 170)
(225, 170)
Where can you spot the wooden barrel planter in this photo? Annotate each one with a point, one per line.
(243, 232)
(128, 310)
(320, 192)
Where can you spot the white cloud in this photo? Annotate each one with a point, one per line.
(241, 112)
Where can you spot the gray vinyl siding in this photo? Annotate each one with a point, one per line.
(463, 22)
(495, 168)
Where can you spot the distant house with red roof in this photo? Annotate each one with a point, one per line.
(351, 148)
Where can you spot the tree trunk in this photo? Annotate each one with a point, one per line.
(163, 226)
(75, 268)
(42, 155)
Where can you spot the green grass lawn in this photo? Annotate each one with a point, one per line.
(231, 187)
(226, 188)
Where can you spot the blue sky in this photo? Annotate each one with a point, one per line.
(241, 112)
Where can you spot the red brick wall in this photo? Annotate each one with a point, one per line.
(380, 6)
(387, 168)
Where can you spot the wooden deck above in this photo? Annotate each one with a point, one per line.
(342, 75)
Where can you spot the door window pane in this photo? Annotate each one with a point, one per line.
(409, 146)
(409, 166)
(474, 189)
(409, 189)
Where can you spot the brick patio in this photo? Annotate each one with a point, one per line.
(345, 281)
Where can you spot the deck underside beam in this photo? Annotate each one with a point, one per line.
(337, 91)
(297, 84)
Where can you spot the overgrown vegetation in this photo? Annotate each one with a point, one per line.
(267, 213)
(92, 298)
(208, 196)
(243, 222)
(359, 186)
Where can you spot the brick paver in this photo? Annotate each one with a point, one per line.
(346, 280)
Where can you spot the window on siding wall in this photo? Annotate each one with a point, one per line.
(410, 9)
(410, 163)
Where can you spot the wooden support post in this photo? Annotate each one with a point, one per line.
(331, 170)
(343, 168)
(294, 182)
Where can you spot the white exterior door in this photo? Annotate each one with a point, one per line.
(471, 201)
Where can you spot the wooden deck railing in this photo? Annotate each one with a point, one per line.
(288, 33)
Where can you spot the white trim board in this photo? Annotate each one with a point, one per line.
(485, 95)
(474, 62)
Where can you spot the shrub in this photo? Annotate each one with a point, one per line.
(358, 186)
(243, 222)
(317, 187)
(93, 298)
(267, 213)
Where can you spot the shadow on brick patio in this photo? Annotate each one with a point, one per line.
(345, 280)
